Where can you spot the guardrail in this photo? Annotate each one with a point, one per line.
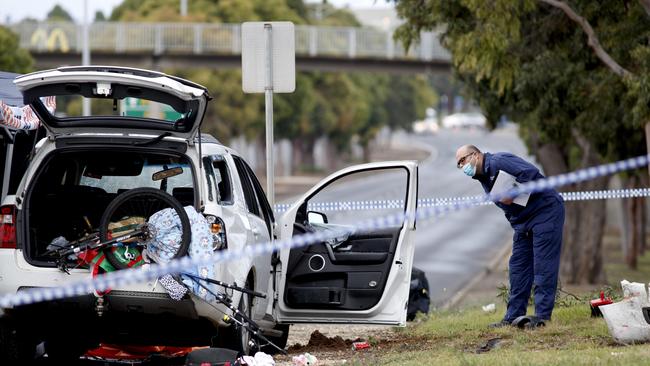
(221, 39)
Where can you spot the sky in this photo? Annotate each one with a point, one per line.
(15, 10)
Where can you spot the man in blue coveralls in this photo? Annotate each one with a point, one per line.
(537, 240)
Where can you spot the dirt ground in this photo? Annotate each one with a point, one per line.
(332, 344)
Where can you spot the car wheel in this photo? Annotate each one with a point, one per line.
(238, 337)
(14, 349)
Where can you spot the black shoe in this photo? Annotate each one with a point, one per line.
(501, 324)
(528, 322)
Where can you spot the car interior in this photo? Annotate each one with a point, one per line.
(72, 190)
(350, 271)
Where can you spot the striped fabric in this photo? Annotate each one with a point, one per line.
(24, 118)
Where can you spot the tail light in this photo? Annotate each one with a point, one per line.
(218, 229)
(8, 227)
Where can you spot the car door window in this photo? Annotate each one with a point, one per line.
(247, 187)
(353, 198)
(218, 179)
(265, 207)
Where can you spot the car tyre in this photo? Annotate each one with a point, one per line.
(236, 337)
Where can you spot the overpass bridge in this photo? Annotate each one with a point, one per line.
(218, 46)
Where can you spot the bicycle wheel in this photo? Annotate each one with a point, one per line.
(134, 208)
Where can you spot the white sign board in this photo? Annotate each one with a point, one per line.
(253, 57)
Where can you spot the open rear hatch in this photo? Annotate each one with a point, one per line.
(122, 100)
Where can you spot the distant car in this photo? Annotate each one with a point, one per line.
(143, 137)
(425, 126)
(464, 120)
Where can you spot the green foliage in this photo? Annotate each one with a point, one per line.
(337, 105)
(530, 61)
(58, 14)
(12, 57)
(99, 16)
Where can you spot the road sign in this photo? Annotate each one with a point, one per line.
(268, 60)
(253, 57)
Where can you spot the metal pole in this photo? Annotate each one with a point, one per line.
(268, 95)
(85, 56)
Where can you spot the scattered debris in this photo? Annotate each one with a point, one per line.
(489, 308)
(305, 360)
(357, 346)
(260, 359)
(625, 319)
(489, 345)
(596, 303)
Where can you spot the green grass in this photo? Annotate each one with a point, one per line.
(452, 338)
(572, 338)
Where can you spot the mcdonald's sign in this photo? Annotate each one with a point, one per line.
(57, 40)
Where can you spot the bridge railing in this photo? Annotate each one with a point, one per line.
(220, 39)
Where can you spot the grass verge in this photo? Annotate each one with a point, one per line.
(459, 338)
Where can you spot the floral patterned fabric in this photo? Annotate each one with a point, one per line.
(165, 226)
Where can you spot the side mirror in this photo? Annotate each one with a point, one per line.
(315, 217)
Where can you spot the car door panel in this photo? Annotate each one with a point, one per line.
(354, 271)
(361, 278)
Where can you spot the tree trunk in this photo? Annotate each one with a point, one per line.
(632, 245)
(647, 141)
(303, 154)
(581, 260)
(366, 152)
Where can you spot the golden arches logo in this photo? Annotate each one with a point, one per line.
(57, 36)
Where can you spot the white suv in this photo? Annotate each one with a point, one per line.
(144, 132)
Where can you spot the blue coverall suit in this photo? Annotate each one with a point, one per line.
(537, 240)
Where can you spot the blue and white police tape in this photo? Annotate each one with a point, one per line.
(446, 201)
(150, 272)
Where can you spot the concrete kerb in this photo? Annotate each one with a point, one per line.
(493, 266)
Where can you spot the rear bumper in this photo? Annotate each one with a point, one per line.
(138, 314)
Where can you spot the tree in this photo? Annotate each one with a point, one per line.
(58, 14)
(338, 106)
(12, 57)
(99, 16)
(528, 59)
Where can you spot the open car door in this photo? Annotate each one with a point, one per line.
(361, 277)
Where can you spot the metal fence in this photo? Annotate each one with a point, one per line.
(221, 39)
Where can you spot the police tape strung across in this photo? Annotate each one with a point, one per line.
(445, 201)
(150, 272)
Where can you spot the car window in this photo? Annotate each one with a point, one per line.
(70, 106)
(115, 179)
(218, 179)
(265, 208)
(249, 192)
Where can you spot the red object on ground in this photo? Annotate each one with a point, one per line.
(125, 352)
(599, 302)
(360, 345)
